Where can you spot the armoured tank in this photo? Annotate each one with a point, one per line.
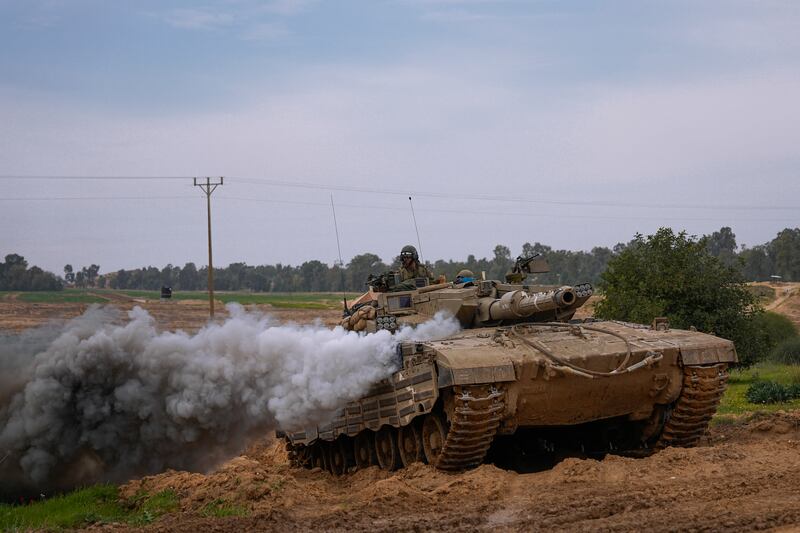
(522, 365)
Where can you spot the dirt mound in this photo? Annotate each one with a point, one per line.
(743, 478)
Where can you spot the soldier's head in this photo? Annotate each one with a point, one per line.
(465, 276)
(408, 255)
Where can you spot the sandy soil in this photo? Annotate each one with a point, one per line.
(745, 476)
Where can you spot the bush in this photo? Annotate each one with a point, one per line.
(787, 352)
(674, 275)
(771, 392)
(775, 328)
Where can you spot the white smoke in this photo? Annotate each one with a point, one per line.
(138, 401)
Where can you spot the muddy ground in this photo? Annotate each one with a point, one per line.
(744, 476)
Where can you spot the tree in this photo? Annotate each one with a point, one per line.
(360, 267)
(756, 263)
(187, 279)
(784, 250)
(16, 276)
(91, 274)
(675, 276)
(722, 245)
(69, 275)
(501, 263)
(313, 276)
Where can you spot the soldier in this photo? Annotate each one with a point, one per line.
(464, 277)
(410, 266)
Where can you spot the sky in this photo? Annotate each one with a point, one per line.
(575, 124)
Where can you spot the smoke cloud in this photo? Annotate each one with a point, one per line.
(97, 399)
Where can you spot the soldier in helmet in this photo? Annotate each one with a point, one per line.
(464, 277)
(410, 267)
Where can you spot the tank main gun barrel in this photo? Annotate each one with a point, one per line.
(519, 304)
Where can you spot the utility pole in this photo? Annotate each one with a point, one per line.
(208, 187)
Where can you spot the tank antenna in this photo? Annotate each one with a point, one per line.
(341, 263)
(414, 218)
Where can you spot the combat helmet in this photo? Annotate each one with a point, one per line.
(409, 251)
(464, 276)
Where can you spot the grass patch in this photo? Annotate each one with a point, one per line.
(787, 352)
(80, 508)
(99, 503)
(55, 297)
(146, 507)
(735, 402)
(284, 300)
(765, 392)
(220, 508)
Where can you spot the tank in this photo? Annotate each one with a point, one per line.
(522, 366)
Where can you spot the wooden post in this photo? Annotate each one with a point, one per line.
(208, 187)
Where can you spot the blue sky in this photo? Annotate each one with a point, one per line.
(650, 109)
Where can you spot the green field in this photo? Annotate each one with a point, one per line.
(296, 300)
(53, 297)
(734, 401)
(80, 508)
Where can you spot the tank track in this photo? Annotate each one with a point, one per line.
(473, 426)
(703, 387)
(474, 421)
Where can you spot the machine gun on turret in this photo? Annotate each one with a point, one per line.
(533, 264)
(385, 282)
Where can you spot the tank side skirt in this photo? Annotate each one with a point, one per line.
(408, 394)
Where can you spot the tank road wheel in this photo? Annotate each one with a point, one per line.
(410, 444)
(364, 449)
(337, 460)
(302, 457)
(346, 447)
(318, 456)
(434, 433)
(386, 448)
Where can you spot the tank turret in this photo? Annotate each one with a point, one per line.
(475, 304)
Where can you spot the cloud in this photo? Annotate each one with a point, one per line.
(290, 7)
(767, 31)
(457, 15)
(197, 19)
(252, 21)
(264, 32)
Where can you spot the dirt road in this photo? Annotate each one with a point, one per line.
(787, 301)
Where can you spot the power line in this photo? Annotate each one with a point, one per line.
(91, 198)
(486, 197)
(101, 178)
(425, 194)
(396, 208)
(498, 212)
